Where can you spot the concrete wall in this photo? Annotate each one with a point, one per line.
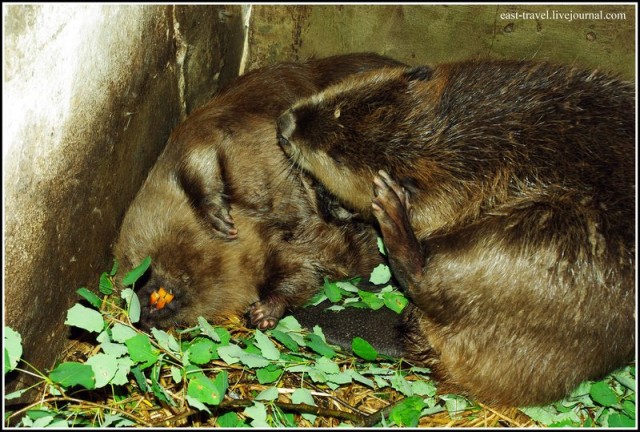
(90, 95)
(431, 34)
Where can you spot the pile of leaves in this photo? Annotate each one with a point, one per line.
(232, 376)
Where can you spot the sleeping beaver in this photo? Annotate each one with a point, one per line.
(504, 192)
(228, 224)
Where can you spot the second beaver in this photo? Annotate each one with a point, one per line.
(505, 194)
(227, 221)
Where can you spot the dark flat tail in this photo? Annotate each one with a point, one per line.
(382, 328)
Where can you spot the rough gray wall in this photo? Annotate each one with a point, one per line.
(91, 93)
(431, 34)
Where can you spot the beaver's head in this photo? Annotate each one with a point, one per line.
(345, 134)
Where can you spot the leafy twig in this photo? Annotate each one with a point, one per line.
(80, 402)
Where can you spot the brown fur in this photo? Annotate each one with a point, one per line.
(506, 201)
(227, 222)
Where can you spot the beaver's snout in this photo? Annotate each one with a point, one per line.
(286, 125)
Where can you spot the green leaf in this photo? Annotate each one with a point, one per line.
(420, 370)
(201, 351)
(231, 353)
(602, 394)
(35, 414)
(141, 351)
(121, 333)
(229, 420)
(58, 424)
(291, 327)
(381, 247)
(203, 389)
(89, 296)
(165, 340)
(114, 269)
(399, 383)
(285, 340)
(195, 403)
(223, 334)
(122, 374)
(133, 304)
(258, 412)
(269, 394)
(363, 349)
(267, 347)
(327, 366)
(210, 392)
(374, 370)
(371, 299)
(318, 298)
(104, 368)
(115, 420)
(626, 378)
(316, 343)
(16, 394)
(423, 388)
(268, 374)
(339, 378)
(208, 329)
(138, 374)
(380, 275)
(303, 396)
(317, 375)
(348, 285)
(332, 291)
(85, 318)
(176, 374)
(135, 274)
(629, 408)
(357, 304)
(43, 422)
(12, 349)
(289, 324)
(289, 419)
(317, 330)
(543, 415)
(106, 285)
(72, 373)
(407, 412)
(620, 420)
(569, 418)
(356, 376)
(455, 405)
(298, 368)
(395, 301)
(254, 361)
(159, 391)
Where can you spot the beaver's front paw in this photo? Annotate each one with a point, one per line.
(221, 221)
(265, 315)
(391, 208)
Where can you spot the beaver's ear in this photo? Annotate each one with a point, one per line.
(422, 73)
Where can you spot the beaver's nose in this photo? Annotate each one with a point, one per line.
(286, 125)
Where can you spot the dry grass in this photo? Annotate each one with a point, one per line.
(335, 406)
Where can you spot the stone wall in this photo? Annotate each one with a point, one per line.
(90, 95)
(431, 34)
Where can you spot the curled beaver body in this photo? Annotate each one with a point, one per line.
(505, 195)
(228, 224)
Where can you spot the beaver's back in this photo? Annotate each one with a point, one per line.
(518, 248)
